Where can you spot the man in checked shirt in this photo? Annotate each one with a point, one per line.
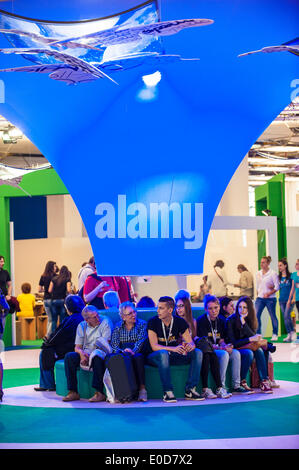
(129, 336)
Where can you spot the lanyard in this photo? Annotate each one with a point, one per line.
(214, 331)
(170, 331)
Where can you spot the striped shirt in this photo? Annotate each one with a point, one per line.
(121, 336)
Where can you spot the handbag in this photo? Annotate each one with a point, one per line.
(13, 305)
(254, 346)
(204, 345)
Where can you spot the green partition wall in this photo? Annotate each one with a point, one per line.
(39, 183)
(271, 196)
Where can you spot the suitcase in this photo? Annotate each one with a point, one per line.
(123, 377)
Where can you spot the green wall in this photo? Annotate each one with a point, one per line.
(38, 183)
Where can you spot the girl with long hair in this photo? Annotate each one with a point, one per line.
(241, 332)
(44, 283)
(285, 287)
(60, 286)
(210, 360)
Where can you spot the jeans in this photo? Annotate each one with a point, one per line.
(287, 316)
(57, 308)
(235, 360)
(246, 360)
(72, 363)
(46, 379)
(261, 358)
(48, 310)
(270, 303)
(163, 360)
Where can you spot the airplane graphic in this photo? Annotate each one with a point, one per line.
(75, 70)
(290, 46)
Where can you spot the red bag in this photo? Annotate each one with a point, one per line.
(254, 376)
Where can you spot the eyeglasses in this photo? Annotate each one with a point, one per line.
(180, 306)
(128, 314)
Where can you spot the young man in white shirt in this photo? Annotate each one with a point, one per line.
(267, 284)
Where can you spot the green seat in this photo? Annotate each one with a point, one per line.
(153, 384)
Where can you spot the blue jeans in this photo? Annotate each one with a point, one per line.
(163, 360)
(246, 361)
(270, 303)
(235, 360)
(46, 378)
(287, 316)
(57, 308)
(261, 359)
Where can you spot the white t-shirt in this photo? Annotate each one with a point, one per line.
(103, 330)
(266, 282)
(216, 285)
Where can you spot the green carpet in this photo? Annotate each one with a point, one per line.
(253, 419)
(229, 420)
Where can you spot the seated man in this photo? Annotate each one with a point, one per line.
(164, 334)
(213, 327)
(60, 342)
(129, 336)
(91, 331)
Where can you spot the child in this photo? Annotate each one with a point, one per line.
(26, 301)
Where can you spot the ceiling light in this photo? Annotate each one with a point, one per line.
(152, 80)
(15, 133)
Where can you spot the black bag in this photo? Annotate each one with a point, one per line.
(204, 345)
(48, 358)
(122, 375)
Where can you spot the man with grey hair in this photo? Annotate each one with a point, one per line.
(128, 337)
(93, 330)
(111, 304)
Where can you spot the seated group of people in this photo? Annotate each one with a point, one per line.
(87, 338)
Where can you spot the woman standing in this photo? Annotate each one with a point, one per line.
(245, 281)
(59, 288)
(267, 284)
(46, 278)
(285, 287)
(217, 280)
(240, 329)
(295, 287)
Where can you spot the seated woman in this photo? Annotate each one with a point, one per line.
(227, 307)
(241, 332)
(210, 360)
(129, 336)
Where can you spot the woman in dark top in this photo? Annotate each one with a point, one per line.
(60, 286)
(46, 277)
(241, 332)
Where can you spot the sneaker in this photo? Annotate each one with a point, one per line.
(193, 395)
(246, 386)
(169, 397)
(242, 390)
(274, 338)
(274, 384)
(293, 336)
(71, 396)
(265, 387)
(287, 339)
(142, 395)
(207, 393)
(222, 393)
